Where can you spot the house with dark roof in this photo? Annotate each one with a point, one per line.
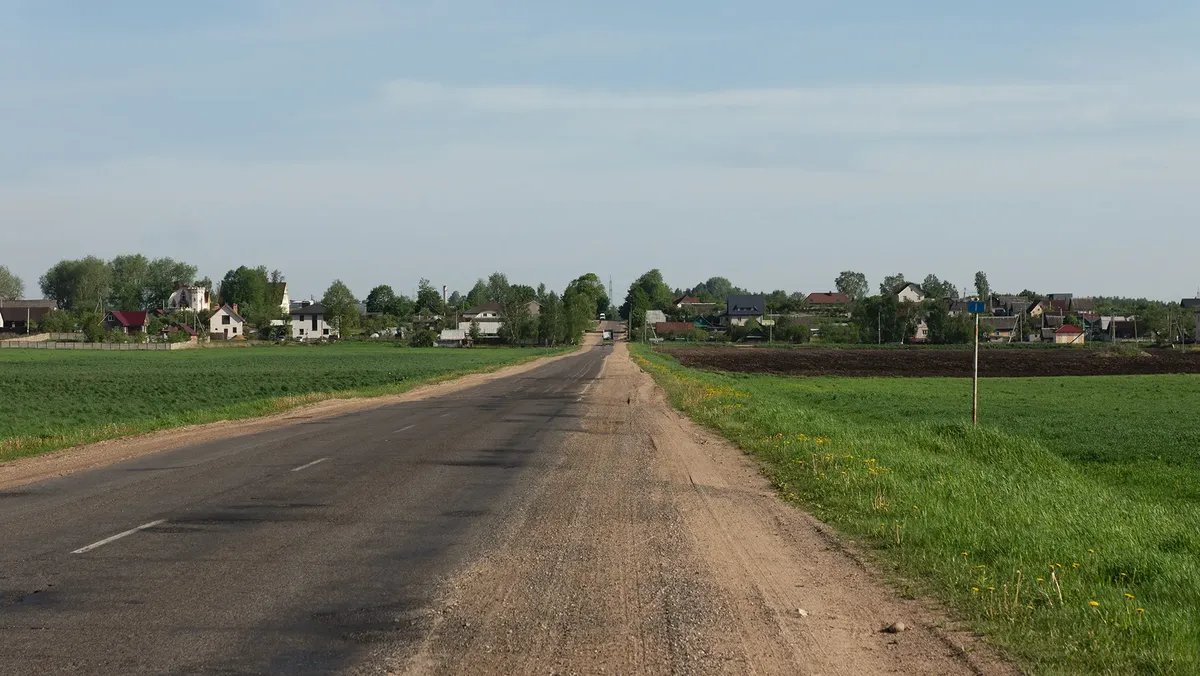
(1190, 303)
(999, 328)
(309, 323)
(909, 293)
(740, 309)
(1083, 305)
(23, 315)
(129, 323)
(226, 323)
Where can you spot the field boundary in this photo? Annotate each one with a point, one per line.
(93, 448)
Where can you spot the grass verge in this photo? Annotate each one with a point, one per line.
(1069, 559)
(58, 399)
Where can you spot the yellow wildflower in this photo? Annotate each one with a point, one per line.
(1129, 596)
(1139, 610)
(1094, 604)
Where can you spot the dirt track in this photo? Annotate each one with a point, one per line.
(653, 547)
(993, 363)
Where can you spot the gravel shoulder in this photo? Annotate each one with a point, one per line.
(651, 546)
(22, 471)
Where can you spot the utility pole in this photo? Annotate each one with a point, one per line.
(975, 379)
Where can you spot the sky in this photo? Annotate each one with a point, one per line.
(1055, 146)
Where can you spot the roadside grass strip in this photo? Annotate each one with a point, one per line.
(1073, 551)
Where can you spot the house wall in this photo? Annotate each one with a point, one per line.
(1068, 338)
(487, 327)
(231, 330)
(1198, 328)
(197, 299)
(304, 328)
(910, 295)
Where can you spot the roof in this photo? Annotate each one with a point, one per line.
(453, 334)
(1069, 328)
(22, 304)
(1061, 305)
(746, 306)
(310, 309)
(908, 285)
(183, 327)
(1083, 304)
(673, 327)
(1190, 302)
(228, 309)
(689, 300)
(828, 298)
(1000, 323)
(130, 318)
(486, 307)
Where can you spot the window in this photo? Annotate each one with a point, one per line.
(224, 319)
(314, 322)
(235, 330)
(327, 332)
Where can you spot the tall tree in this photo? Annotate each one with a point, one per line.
(550, 319)
(78, 284)
(497, 287)
(246, 286)
(12, 287)
(654, 295)
(853, 284)
(130, 277)
(591, 285)
(456, 299)
(884, 318)
(162, 275)
(341, 308)
(381, 299)
(936, 288)
(891, 283)
(981, 286)
(478, 294)
(429, 299)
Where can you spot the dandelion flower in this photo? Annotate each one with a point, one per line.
(1139, 610)
(1029, 607)
(964, 554)
(1129, 596)
(975, 589)
(1075, 564)
(991, 589)
(1041, 580)
(1091, 551)
(1094, 604)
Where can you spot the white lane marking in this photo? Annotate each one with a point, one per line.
(443, 415)
(409, 427)
(118, 536)
(297, 469)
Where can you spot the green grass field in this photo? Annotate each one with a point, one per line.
(57, 398)
(1066, 527)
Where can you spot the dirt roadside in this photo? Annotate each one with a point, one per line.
(23, 471)
(651, 546)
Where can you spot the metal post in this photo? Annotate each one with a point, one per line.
(975, 380)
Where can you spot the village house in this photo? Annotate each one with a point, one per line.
(308, 322)
(190, 297)
(23, 315)
(489, 317)
(1001, 329)
(226, 323)
(129, 323)
(692, 305)
(910, 293)
(1069, 334)
(740, 309)
(828, 302)
(673, 329)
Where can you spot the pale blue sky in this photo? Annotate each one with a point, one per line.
(1054, 145)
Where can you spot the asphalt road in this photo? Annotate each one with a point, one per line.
(304, 549)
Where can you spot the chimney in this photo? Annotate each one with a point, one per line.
(235, 308)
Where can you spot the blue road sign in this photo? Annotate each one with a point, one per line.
(975, 307)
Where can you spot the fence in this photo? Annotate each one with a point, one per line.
(119, 347)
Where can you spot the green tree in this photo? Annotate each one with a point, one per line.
(341, 308)
(891, 283)
(162, 275)
(423, 338)
(246, 286)
(981, 286)
(885, 319)
(550, 319)
(429, 299)
(648, 292)
(78, 284)
(853, 284)
(130, 277)
(474, 332)
(12, 287)
(497, 287)
(936, 288)
(945, 329)
(381, 299)
(478, 294)
(591, 285)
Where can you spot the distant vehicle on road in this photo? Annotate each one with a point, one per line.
(601, 316)
(607, 336)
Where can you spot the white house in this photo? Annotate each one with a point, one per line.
(190, 297)
(227, 323)
(487, 316)
(279, 291)
(308, 322)
(910, 293)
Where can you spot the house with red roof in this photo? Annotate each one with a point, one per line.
(827, 299)
(1068, 334)
(129, 323)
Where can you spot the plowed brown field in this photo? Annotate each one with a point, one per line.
(915, 363)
